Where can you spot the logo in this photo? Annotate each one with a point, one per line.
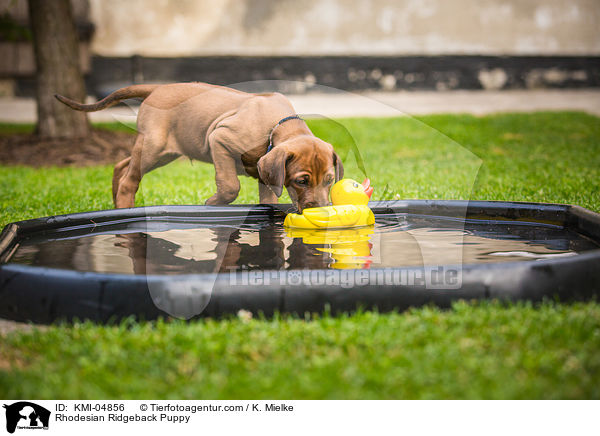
(26, 415)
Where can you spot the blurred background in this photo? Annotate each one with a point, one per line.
(378, 45)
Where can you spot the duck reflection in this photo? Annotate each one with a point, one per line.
(349, 248)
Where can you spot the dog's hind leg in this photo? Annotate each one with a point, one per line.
(130, 176)
(149, 152)
(117, 174)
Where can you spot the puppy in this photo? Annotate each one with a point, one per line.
(257, 135)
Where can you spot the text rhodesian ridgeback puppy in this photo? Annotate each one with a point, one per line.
(231, 129)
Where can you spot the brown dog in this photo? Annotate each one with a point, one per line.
(232, 130)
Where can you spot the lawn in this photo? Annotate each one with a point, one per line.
(472, 351)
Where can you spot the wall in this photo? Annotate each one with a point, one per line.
(162, 28)
(347, 44)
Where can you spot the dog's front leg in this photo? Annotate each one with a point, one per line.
(228, 184)
(265, 194)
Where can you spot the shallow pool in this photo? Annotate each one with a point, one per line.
(397, 240)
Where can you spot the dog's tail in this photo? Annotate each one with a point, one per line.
(134, 91)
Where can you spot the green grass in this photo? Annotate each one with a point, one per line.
(471, 351)
(481, 351)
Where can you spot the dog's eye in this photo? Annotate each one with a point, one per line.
(302, 182)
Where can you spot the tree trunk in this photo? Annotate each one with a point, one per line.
(56, 48)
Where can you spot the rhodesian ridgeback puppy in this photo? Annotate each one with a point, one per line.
(258, 135)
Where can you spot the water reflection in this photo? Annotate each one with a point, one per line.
(183, 248)
(220, 249)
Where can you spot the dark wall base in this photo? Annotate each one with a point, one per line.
(356, 73)
(353, 73)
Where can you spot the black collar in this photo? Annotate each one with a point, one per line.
(281, 121)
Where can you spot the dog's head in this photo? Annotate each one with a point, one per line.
(306, 166)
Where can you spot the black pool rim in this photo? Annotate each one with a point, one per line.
(45, 295)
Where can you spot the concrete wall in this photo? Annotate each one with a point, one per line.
(345, 27)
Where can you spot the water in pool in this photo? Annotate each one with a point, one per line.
(144, 247)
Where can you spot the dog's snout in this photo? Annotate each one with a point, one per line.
(312, 203)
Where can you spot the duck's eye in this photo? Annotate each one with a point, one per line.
(302, 181)
(355, 185)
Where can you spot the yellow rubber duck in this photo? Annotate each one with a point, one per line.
(349, 199)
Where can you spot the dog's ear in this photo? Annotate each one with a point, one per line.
(271, 169)
(339, 167)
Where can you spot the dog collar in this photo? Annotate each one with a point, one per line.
(281, 121)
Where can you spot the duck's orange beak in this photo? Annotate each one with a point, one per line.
(368, 188)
